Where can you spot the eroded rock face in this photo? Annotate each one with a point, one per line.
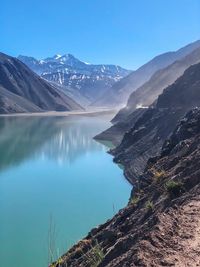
(160, 226)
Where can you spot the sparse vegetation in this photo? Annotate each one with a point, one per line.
(174, 188)
(158, 175)
(134, 200)
(85, 242)
(52, 255)
(54, 259)
(149, 205)
(80, 246)
(57, 263)
(95, 255)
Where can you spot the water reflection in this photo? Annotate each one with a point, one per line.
(59, 170)
(72, 140)
(57, 138)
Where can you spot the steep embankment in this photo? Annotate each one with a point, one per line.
(160, 225)
(118, 94)
(116, 132)
(148, 92)
(21, 90)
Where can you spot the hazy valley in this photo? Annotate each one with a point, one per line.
(100, 163)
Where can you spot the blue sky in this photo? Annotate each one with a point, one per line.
(123, 32)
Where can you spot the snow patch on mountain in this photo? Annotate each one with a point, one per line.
(66, 70)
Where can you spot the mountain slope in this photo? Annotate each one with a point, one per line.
(147, 135)
(115, 133)
(149, 91)
(24, 91)
(144, 96)
(120, 91)
(88, 80)
(12, 103)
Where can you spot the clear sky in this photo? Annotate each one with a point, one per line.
(123, 32)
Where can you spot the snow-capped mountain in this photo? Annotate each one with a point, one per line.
(70, 73)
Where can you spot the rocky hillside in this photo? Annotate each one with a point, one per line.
(145, 96)
(76, 77)
(148, 92)
(12, 103)
(147, 135)
(118, 94)
(21, 90)
(115, 133)
(160, 225)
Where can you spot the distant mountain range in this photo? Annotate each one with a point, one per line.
(118, 94)
(83, 81)
(22, 90)
(66, 83)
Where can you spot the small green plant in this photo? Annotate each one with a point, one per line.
(52, 241)
(95, 255)
(174, 188)
(158, 174)
(54, 259)
(149, 205)
(134, 200)
(57, 263)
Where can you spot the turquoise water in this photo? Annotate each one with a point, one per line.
(56, 183)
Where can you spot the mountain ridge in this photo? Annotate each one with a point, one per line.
(22, 90)
(118, 94)
(89, 80)
(149, 91)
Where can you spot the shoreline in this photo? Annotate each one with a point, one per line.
(61, 113)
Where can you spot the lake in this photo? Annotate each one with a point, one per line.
(56, 183)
